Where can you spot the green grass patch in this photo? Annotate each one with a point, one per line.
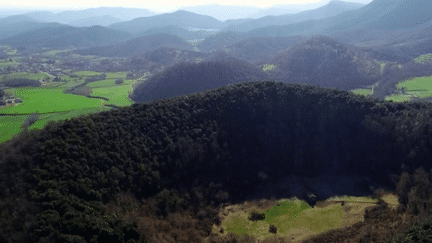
(419, 83)
(11, 125)
(117, 95)
(87, 73)
(54, 105)
(46, 100)
(121, 75)
(289, 209)
(362, 91)
(268, 67)
(426, 58)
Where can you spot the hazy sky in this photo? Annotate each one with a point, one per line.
(162, 6)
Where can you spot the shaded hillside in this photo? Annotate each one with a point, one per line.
(333, 8)
(325, 62)
(67, 36)
(394, 46)
(114, 176)
(301, 28)
(258, 49)
(179, 18)
(171, 30)
(137, 46)
(188, 78)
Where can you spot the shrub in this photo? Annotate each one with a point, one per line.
(256, 216)
(273, 229)
(119, 81)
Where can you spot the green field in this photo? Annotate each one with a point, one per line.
(54, 105)
(24, 75)
(411, 85)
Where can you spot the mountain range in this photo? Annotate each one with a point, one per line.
(382, 27)
(333, 8)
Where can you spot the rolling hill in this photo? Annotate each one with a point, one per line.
(188, 78)
(325, 62)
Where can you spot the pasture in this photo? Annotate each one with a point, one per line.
(53, 104)
(420, 87)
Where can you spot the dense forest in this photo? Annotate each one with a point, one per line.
(57, 183)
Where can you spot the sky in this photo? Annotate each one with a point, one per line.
(162, 6)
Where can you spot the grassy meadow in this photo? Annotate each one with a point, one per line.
(53, 104)
(420, 87)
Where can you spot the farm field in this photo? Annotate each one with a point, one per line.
(420, 87)
(54, 105)
(24, 75)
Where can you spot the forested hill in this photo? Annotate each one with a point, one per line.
(62, 182)
(187, 78)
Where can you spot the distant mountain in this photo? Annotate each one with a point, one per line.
(179, 18)
(325, 62)
(65, 36)
(188, 78)
(373, 24)
(171, 30)
(137, 46)
(13, 29)
(230, 12)
(222, 12)
(44, 16)
(97, 20)
(12, 11)
(389, 15)
(333, 8)
(280, 9)
(70, 16)
(16, 19)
